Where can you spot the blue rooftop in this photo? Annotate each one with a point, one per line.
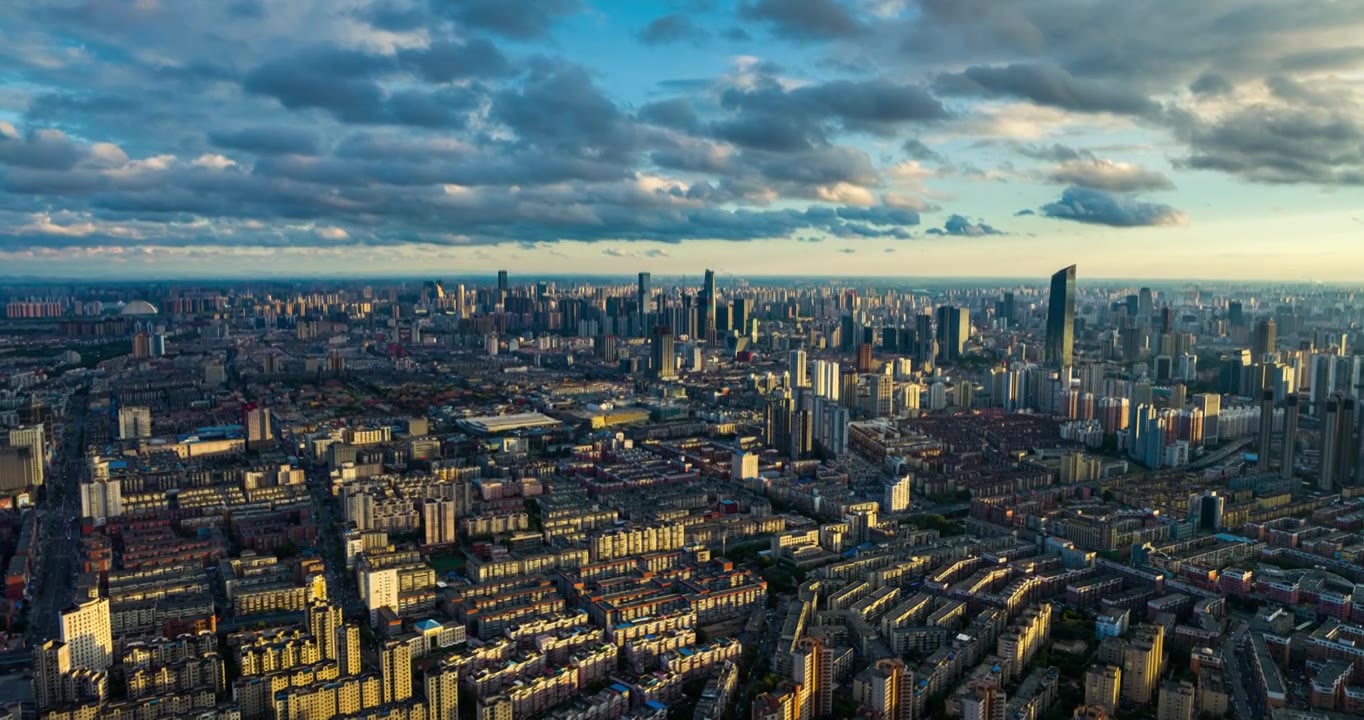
(427, 625)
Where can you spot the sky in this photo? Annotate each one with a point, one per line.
(1218, 139)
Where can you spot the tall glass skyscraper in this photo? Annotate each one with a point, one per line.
(1061, 319)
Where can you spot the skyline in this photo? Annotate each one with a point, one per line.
(149, 139)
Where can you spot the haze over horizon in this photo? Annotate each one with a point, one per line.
(858, 138)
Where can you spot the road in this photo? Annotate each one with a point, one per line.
(1234, 647)
(341, 589)
(55, 577)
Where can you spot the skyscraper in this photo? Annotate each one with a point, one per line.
(1328, 477)
(1290, 436)
(1061, 319)
(644, 290)
(324, 622)
(664, 356)
(708, 307)
(442, 692)
(954, 329)
(798, 369)
(1264, 340)
(1266, 429)
(502, 282)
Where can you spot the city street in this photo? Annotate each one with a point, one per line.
(55, 574)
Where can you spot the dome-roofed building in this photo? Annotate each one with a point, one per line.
(138, 307)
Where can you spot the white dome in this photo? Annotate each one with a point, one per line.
(138, 307)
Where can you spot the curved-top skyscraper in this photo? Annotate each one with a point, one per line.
(1061, 319)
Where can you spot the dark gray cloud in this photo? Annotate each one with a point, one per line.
(563, 110)
(280, 140)
(1047, 85)
(1210, 83)
(804, 19)
(1108, 176)
(917, 150)
(1097, 207)
(676, 113)
(1282, 145)
(771, 117)
(673, 28)
(43, 149)
(445, 61)
(737, 34)
(1055, 152)
(961, 226)
(520, 20)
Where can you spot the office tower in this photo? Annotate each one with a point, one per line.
(864, 359)
(781, 410)
(134, 423)
(395, 665)
(324, 622)
(502, 285)
(890, 339)
(1007, 311)
(847, 389)
(442, 692)
(1266, 429)
(1141, 664)
(1145, 305)
(802, 441)
(87, 629)
(798, 369)
(644, 290)
(1235, 316)
(1290, 436)
(1102, 684)
(1061, 319)
(708, 307)
(812, 668)
(954, 329)
(739, 315)
(258, 431)
(1264, 340)
(348, 648)
(984, 702)
(1211, 405)
(1178, 700)
(923, 330)
(461, 302)
(664, 356)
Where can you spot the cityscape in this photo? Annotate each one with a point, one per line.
(681, 360)
(659, 498)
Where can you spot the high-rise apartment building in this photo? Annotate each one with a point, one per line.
(984, 702)
(259, 433)
(812, 670)
(1178, 701)
(379, 590)
(1060, 340)
(442, 692)
(87, 630)
(1265, 340)
(1103, 683)
(798, 368)
(395, 666)
(324, 622)
(1290, 436)
(1141, 664)
(348, 648)
(889, 690)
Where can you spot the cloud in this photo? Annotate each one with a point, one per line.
(1047, 85)
(960, 226)
(280, 140)
(847, 251)
(520, 20)
(444, 61)
(40, 149)
(1108, 175)
(617, 252)
(1210, 84)
(917, 150)
(1055, 153)
(1097, 207)
(673, 28)
(1301, 144)
(804, 20)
